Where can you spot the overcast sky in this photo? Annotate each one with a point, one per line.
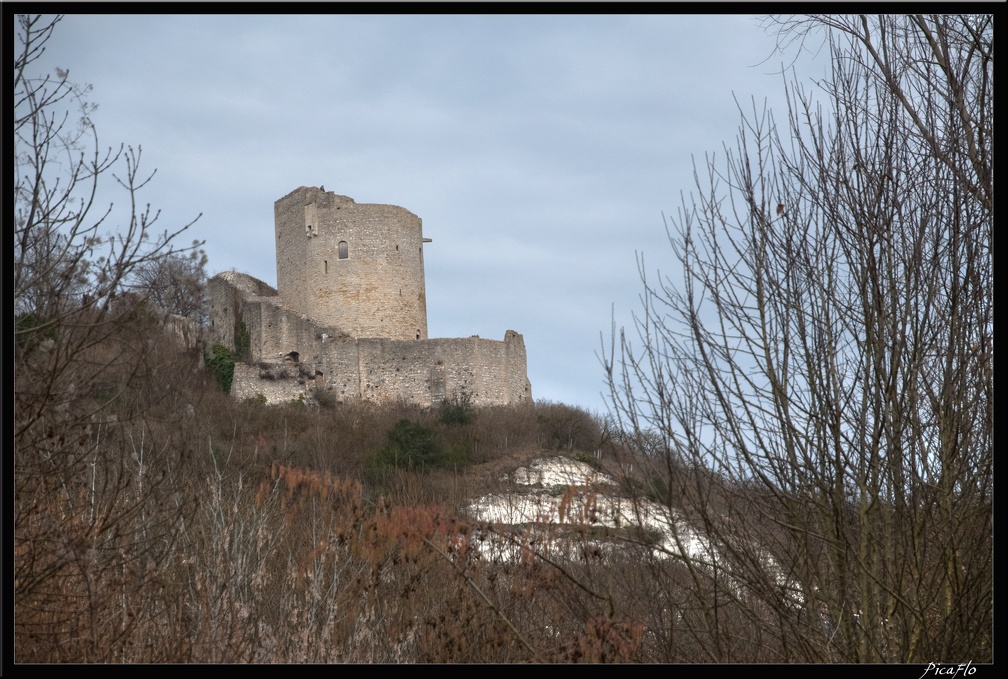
(539, 151)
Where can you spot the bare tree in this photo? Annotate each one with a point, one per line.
(69, 263)
(819, 384)
(176, 283)
(93, 387)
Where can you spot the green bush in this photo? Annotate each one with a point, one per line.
(415, 447)
(243, 340)
(410, 445)
(221, 364)
(458, 456)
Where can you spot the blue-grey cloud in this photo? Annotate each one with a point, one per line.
(540, 151)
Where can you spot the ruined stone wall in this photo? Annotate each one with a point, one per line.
(488, 372)
(185, 330)
(230, 294)
(278, 384)
(279, 331)
(516, 380)
(354, 267)
(349, 315)
(274, 329)
(339, 363)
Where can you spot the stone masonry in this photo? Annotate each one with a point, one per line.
(350, 315)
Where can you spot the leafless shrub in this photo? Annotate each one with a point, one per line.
(818, 384)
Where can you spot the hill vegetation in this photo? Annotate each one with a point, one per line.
(798, 466)
(159, 520)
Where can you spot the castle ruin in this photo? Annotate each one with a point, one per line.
(349, 315)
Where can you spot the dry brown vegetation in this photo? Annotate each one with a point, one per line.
(837, 453)
(234, 532)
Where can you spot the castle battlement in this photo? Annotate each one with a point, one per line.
(349, 314)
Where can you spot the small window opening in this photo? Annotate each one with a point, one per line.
(343, 250)
(327, 266)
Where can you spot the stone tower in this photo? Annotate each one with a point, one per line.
(357, 268)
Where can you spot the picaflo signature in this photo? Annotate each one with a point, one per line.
(938, 669)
